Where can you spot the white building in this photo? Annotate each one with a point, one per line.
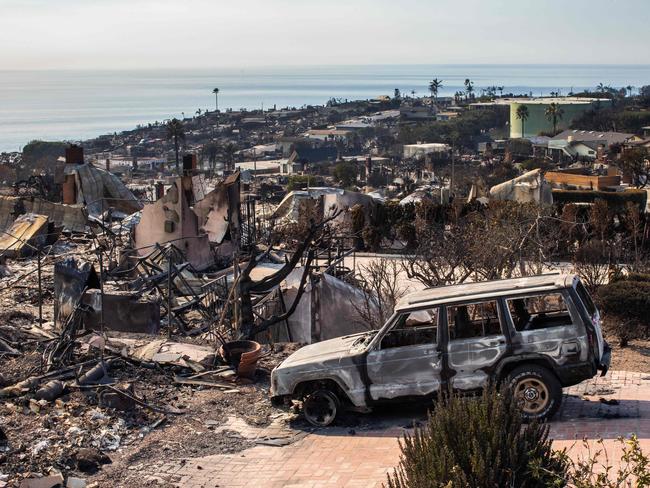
(420, 150)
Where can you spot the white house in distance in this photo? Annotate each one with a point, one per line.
(420, 150)
(328, 134)
(585, 144)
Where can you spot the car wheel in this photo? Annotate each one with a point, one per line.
(536, 390)
(320, 407)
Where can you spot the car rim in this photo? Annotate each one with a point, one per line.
(532, 395)
(320, 408)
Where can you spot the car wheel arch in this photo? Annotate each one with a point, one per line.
(304, 387)
(509, 364)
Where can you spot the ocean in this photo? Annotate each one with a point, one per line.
(77, 105)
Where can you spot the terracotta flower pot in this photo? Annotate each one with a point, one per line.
(243, 355)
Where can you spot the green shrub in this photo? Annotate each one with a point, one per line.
(478, 442)
(627, 299)
(597, 469)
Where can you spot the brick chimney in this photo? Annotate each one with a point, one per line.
(74, 154)
(189, 163)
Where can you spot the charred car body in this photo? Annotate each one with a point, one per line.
(538, 334)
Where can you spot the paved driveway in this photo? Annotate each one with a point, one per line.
(360, 455)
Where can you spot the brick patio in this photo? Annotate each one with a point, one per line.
(616, 405)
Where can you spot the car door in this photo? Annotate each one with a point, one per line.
(543, 323)
(405, 360)
(475, 342)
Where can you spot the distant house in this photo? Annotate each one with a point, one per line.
(354, 124)
(253, 122)
(420, 150)
(491, 147)
(607, 138)
(417, 113)
(640, 143)
(256, 168)
(287, 144)
(328, 134)
(439, 101)
(448, 115)
(119, 165)
(583, 144)
(291, 166)
(313, 155)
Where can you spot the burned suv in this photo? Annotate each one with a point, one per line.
(537, 334)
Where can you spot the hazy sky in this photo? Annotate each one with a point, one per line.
(43, 34)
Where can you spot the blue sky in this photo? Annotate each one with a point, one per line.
(47, 34)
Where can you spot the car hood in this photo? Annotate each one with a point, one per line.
(332, 349)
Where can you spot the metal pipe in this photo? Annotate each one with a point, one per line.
(169, 292)
(40, 288)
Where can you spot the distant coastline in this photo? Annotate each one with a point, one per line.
(76, 105)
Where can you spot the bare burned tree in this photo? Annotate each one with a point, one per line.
(381, 290)
(511, 239)
(441, 257)
(505, 240)
(635, 241)
(593, 262)
(636, 163)
(314, 233)
(600, 252)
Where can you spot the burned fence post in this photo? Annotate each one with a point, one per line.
(101, 288)
(169, 292)
(40, 288)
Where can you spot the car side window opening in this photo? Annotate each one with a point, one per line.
(586, 299)
(539, 311)
(412, 329)
(473, 320)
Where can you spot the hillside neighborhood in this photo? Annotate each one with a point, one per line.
(170, 292)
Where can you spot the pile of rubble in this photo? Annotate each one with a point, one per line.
(130, 330)
(112, 393)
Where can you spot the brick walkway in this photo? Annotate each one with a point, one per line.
(616, 405)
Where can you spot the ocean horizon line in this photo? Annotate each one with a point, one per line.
(322, 65)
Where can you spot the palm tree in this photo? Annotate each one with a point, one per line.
(522, 114)
(629, 88)
(216, 99)
(176, 132)
(469, 87)
(600, 87)
(554, 113)
(434, 86)
(500, 88)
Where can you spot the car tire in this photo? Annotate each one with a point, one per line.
(537, 391)
(320, 407)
